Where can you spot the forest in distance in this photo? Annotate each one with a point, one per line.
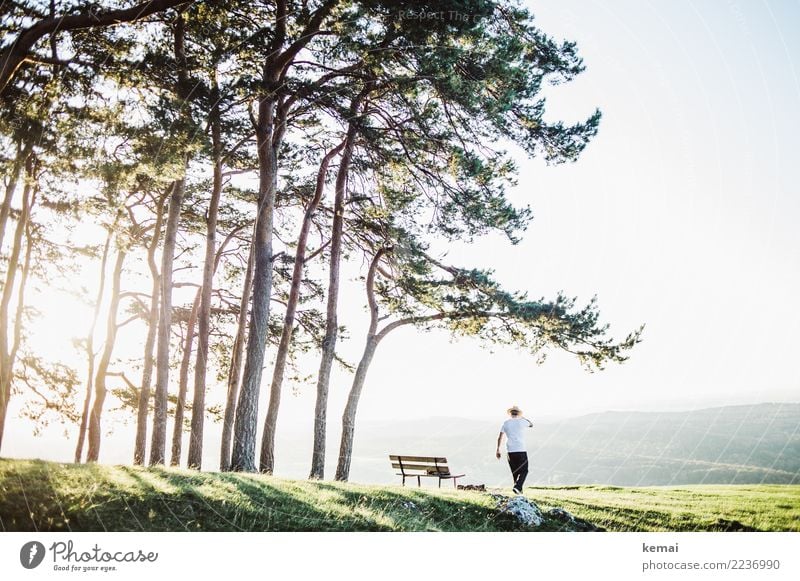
(198, 175)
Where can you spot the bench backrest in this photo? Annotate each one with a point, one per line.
(419, 465)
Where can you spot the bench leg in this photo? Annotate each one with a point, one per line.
(419, 482)
(455, 480)
(404, 480)
(440, 482)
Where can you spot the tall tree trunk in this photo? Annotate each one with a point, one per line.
(374, 337)
(158, 451)
(95, 434)
(6, 362)
(11, 187)
(349, 415)
(331, 322)
(139, 453)
(195, 459)
(180, 407)
(183, 384)
(267, 463)
(159, 439)
(23, 281)
(20, 312)
(270, 128)
(235, 369)
(90, 355)
(246, 417)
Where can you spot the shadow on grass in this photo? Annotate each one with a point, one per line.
(45, 496)
(415, 509)
(35, 499)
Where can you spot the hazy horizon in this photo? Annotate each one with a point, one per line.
(757, 444)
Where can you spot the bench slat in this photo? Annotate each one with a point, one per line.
(424, 467)
(430, 459)
(443, 476)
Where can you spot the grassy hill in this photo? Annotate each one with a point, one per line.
(46, 496)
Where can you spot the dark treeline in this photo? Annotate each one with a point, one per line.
(247, 151)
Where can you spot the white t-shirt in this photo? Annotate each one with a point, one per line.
(514, 429)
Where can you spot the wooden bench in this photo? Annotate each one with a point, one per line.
(423, 467)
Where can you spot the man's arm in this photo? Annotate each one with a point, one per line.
(499, 439)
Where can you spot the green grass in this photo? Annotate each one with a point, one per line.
(767, 507)
(46, 496)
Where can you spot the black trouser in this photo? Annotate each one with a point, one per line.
(518, 462)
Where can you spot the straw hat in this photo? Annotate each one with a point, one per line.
(514, 409)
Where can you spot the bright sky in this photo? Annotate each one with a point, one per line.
(682, 214)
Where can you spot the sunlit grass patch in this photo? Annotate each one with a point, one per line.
(46, 496)
(684, 508)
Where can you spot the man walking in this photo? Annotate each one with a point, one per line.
(514, 430)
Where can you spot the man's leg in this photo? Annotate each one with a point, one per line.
(515, 463)
(522, 471)
(512, 463)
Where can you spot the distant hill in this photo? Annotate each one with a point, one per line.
(749, 444)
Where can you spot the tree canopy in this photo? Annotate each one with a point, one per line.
(235, 156)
